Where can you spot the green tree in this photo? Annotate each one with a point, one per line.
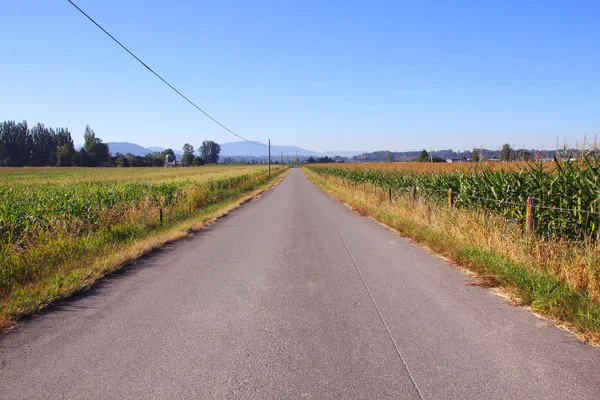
(475, 156)
(188, 155)
(187, 159)
(188, 148)
(158, 159)
(15, 144)
(210, 151)
(94, 151)
(424, 156)
(121, 161)
(65, 155)
(507, 153)
(198, 160)
(135, 161)
(43, 146)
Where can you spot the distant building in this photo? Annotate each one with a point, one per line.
(170, 160)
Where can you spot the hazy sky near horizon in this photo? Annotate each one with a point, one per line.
(322, 75)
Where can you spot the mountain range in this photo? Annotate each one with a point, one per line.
(231, 149)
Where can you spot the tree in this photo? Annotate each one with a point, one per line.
(158, 159)
(135, 161)
(507, 153)
(475, 156)
(188, 148)
(15, 144)
(424, 156)
(524, 155)
(198, 161)
(210, 151)
(311, 160)
(94, 151)
(187, 159)
(65, 155)
(121, 161)
(188, 155)
(43, 146)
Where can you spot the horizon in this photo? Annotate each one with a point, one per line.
(383, 76)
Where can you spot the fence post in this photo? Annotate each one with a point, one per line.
(413, 195)
(374, 192)
(160, 216)
(530, 215)
(450, 198)
(390, 195)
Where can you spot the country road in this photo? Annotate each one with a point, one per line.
(293, 296)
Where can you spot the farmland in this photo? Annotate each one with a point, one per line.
(555, 268)
(55, 223)
(566, 192)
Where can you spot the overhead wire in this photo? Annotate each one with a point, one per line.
(160, 77)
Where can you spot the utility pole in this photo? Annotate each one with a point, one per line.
(282, 158)
(297, 161)
(269, 157)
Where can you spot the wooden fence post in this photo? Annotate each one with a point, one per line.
(450, 198)
(160, 216)
(390, 195)
(530, 215)
(413, 195)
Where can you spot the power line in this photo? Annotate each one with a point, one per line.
(160, 77)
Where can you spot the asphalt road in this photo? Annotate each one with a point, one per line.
(293, 296)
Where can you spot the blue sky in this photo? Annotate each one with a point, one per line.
(323, 75)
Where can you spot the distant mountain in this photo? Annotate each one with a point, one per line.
(258, 149)
(252, 149)
(125, 147)
(161, 149)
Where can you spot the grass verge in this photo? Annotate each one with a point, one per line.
(100, 257)
(557, 280)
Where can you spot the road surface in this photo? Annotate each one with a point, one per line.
(293, 296)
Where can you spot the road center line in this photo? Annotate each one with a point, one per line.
(412, 379)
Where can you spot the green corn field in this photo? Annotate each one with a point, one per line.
(566, 192)
(49, 216)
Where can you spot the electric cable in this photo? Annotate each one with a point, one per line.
(161, 78)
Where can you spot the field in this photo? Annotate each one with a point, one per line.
(554, 269)
(566, 193)
(55, 223)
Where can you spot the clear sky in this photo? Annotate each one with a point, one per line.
(323, 75)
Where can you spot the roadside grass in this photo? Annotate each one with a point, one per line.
(559, 280)
(59, 265)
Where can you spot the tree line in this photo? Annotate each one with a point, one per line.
(41, 146)
(507, 153)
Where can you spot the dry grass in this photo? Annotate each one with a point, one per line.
(558, 279)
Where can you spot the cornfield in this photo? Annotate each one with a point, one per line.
(50, 216)
(566, 192)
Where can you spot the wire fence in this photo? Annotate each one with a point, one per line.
(579, 220)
